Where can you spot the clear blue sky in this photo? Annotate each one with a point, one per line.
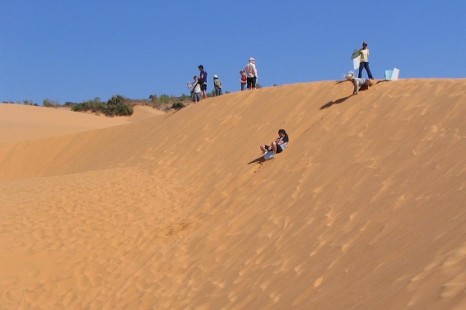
(67, 50)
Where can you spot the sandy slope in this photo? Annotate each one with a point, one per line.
(364, 210)
(21, 122)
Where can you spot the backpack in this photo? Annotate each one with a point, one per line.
(194, 87)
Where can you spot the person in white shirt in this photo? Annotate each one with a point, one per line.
(251, 73)
(358, 83)
(195, 88)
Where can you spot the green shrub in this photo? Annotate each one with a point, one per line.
(116, 100)
(115, 106)
(50, 103)
(164, 99)
(178, 106)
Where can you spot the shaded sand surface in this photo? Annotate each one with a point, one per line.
(366, 209)
(22, 122)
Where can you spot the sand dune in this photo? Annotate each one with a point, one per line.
(364, 210)
(21, 122)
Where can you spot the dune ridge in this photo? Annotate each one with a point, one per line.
(22, 122)
(364, 210)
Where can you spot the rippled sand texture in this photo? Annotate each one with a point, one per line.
(366, 208)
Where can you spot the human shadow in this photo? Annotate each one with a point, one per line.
(172, 113)
(258, 160)
(330, 103)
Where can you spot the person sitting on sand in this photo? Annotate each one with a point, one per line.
(278, 145)
(358, 83)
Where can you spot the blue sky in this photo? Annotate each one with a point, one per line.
(66, 50)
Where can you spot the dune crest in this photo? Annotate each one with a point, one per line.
(25, 122)
(364, 210)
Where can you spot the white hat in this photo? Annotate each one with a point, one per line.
(215, 76)
(251, 59)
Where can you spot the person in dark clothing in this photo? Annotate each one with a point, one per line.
(203, 81)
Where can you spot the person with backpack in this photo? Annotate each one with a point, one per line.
(195, 89)
(217, 85)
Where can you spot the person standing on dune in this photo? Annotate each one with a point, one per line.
(364, 62)
(217, 85)
(195, 89)
(203, 81)
(244, 80)
(251, 73)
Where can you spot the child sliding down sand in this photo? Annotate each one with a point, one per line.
(278, 145)
(358, 83)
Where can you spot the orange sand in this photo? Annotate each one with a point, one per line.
(21, 122)
(366, 209)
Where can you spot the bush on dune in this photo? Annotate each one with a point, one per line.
(115, 106)
(123, 106)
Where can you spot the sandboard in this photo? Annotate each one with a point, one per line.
(356, 59)
(392, 75)
(269, 155)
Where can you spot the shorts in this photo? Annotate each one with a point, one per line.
(251, 81)
(204, 87)
(279, 148)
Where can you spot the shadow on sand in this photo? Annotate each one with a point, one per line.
(172, 113)
(338, 101)
(258, 160)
